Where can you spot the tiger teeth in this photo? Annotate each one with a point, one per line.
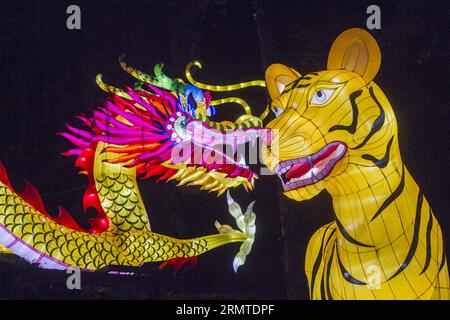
(284, 170)
(317, 171)
(309, 159)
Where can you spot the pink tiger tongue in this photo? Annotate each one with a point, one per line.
(300, 169)
(297, 170)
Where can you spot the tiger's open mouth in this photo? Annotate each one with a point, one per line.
(301, 172)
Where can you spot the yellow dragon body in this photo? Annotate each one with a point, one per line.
(336, 130)
(151, 130)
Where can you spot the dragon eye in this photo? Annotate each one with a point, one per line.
(322, 96)
(277, 111)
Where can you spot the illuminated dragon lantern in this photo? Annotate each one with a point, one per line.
(161, 127)
(335, 130)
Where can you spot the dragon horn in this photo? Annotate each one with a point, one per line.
(168, 83)
(231, 87)
(110, 89)
(160, 79)
(134, 72)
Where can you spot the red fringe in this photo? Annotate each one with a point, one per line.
(178, 263)
(34, 199)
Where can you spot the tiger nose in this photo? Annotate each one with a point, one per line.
(266, 137)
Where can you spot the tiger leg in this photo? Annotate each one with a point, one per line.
(442, 286)
(315, 259)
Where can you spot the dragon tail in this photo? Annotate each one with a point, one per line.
(28, 231)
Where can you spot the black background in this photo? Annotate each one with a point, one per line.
(47, 76)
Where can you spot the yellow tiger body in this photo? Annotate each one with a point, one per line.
(384, 242)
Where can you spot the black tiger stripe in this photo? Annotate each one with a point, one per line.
(394, 195)
(352, 127)
(347, 276)
(330, 262)
(429, 229)
(377, 124)
(380, 163)
(322, 287)
(443, 258)
(291, 85)
(348, 237)
(329, 238)
(413, 247)
(318, 261)
(295, 86)
(322, 283)
(316, 268)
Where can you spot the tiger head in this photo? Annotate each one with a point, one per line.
(330, 125)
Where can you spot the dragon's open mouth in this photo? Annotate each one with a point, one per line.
(219, 150)
(300, 172)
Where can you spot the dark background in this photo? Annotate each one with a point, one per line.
(47, 76)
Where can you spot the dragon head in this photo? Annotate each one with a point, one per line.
(163, 127)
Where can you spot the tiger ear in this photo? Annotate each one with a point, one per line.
(357, 51)
(278, 76)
